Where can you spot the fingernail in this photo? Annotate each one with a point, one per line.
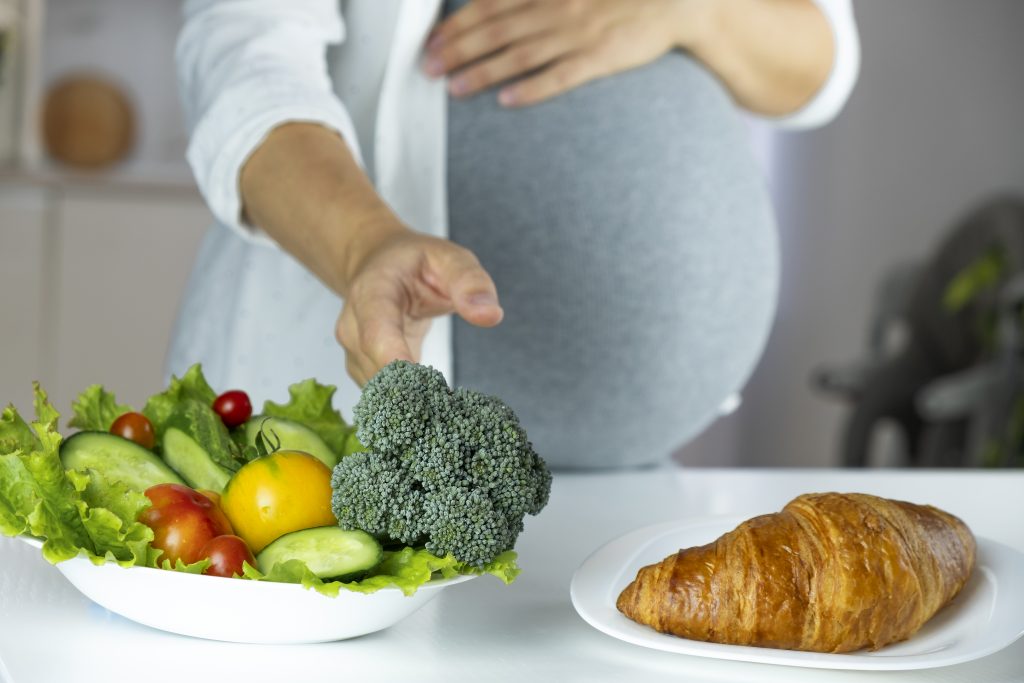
(507, 97)
(434, 66)
(434, 41)
(482, 299)
(458, 86)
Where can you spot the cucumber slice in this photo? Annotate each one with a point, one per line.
(293, 437)
(328, 551)
(192, 462)
(117, 459)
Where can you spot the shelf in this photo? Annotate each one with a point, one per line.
(129, 176)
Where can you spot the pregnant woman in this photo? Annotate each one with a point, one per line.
(571, 178)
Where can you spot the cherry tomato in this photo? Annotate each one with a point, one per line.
(135, 427)
(233, 407)
(183, 521)
(272, 496)
(227, 553)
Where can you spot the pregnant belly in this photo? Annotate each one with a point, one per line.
(630, 237)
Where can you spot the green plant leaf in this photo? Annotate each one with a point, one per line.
(95, 409)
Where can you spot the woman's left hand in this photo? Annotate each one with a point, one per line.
(554, 45)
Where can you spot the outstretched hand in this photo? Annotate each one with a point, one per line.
(397, 288)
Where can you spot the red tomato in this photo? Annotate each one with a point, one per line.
(135, 427)
(168, 494)
(212, 495)
(227, 553)
(233, 407)
(220, 519)
(180, 530)
(183, 521)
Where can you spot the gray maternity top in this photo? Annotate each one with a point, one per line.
(633, 247)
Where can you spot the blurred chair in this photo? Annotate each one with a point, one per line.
(944, 350)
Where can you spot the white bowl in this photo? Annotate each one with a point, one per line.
(237, 610)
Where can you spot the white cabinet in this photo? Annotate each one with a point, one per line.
(90, 279)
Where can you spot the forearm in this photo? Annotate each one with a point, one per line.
(772, 55)
(304, 188)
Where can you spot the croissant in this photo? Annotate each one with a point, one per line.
(829, 573)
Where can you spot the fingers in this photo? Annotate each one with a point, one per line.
(389, 308)
(489, 37)
(347, 334)
(561, 76)
(371, 330)
(457, 274)
(513, 61)
(470, 16)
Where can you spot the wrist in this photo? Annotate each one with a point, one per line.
(364, 239)
(305, 189)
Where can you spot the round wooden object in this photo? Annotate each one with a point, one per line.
(88, 122)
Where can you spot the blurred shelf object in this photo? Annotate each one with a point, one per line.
(130, 43)
(124, 42)
(88, 121)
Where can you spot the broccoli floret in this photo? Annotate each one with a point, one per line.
(451, 470)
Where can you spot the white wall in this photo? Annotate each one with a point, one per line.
(936, 123)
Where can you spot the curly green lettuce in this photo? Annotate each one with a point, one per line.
(310, 404)
(95, 409)
(406, 569)
(77, 512)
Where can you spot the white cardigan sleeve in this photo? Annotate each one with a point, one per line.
(829, 100)
(245, 67)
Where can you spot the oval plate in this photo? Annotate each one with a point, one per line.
(985, 617)
(240, 611)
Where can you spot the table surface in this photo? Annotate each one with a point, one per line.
(483, 630)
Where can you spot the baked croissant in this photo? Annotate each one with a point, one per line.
(829, 573)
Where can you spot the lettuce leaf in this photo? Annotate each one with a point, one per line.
(310, 405)
(96, 409)
(187, 404)
(15, 433)
(192, 386)
(39, 498)
(406, 569)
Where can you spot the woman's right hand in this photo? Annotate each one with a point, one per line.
(305, 189)
(402, 281)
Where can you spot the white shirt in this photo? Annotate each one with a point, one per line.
(253, 315)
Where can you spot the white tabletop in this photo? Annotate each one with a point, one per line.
(483, 630)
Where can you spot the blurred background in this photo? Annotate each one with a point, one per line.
(899, 222)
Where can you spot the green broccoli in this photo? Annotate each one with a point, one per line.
(450, 470)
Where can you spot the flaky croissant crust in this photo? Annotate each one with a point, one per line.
(829, 573)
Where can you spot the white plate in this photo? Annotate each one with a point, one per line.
(985, 617)
(240, 611)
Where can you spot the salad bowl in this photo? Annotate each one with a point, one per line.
(238, 610)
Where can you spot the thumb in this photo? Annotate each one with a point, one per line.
(462, 279)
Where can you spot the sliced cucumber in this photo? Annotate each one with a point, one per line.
(206, 428)
(116, 459)
(192, 462)
(328, 551)
(293, 437)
